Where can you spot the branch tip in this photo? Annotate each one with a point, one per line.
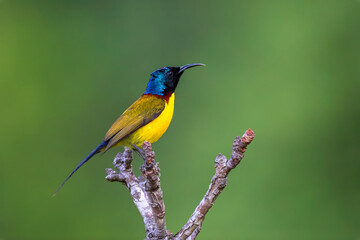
(248, 136)
(250, 132)
(149, 154)
(220, 160)
(109, 171)
(128, 153)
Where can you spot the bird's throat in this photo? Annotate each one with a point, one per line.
(166, 96)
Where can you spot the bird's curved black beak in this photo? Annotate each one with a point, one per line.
(187, 66)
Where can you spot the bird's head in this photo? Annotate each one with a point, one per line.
(164, 80)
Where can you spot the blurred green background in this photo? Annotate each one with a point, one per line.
(289, 70)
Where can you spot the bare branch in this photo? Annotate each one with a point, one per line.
(195, 233)
(147, 195)
(218, 183)
(143, 190)
(150, 182)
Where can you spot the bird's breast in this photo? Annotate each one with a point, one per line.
(152, 131)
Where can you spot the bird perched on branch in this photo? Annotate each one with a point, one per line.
(147, 118)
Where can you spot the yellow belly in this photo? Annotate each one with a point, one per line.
(152, 131)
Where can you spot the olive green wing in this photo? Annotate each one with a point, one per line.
(140, 113)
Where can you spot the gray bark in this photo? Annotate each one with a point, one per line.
(147, 195)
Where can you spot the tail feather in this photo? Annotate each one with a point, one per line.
(93, 152)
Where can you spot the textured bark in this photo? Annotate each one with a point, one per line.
(144, 190)
(147, 195)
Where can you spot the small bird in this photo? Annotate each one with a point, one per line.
(147, 118)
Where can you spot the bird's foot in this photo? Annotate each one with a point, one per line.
(139, 151)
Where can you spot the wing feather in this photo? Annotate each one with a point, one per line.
(140, 113)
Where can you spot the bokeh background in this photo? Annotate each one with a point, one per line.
(289, 70)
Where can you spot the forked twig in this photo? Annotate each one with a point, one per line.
(147, 195)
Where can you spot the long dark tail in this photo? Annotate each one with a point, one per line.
(95, 151)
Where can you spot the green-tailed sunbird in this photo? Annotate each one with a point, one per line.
(147, 118)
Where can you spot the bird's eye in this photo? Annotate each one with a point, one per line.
(170, 74)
